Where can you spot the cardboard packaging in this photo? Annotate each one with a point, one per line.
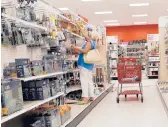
(42, 89)
(23, 68)
(37, 67)
(12, 99)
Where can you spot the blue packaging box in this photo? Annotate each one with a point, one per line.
(23, 68)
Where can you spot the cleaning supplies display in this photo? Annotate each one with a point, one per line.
(11, 96)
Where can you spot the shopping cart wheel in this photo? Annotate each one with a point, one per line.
(142, 99)
(137, 95)
(118, 100)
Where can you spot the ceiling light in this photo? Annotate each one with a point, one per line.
(90, 0)
(141, 15)
(139, 4)
(111, 21)
(63, 9)
(103, 12)
(113, 24)
(139, 23)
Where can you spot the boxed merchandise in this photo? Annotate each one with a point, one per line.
(12, 99)
(10, 70)
(52, 117)
(57, 65)
(53, 88)
(37, 67)
(65, 112)
(42, 89)
(25, 90)
(32, 91)
(23, 68)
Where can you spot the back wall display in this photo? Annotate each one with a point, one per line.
(129, 33)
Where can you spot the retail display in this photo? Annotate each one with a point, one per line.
(153, 59)
(112, 56)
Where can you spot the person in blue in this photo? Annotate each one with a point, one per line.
(85, 68)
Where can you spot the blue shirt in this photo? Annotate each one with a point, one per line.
(81, 61)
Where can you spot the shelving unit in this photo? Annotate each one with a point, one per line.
(136, 51)
(29, 106)
(112, 56)
(153, 66)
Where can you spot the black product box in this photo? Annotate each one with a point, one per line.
(32, 91)
(25, 90)
(42, 88)
(37, 67)
(23, 68)
(53, 88)
(12, 99)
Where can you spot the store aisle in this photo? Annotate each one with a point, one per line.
(130, 113)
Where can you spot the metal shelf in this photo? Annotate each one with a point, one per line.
(47, 75)
(73, 88)
(29, 105)
(41, 76)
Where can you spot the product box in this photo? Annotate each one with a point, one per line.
(23, 68)
(42, 89)
(25, 90)
(12, 99)
(57, 65)
(53, 88)
(51, 118)
(37, 67)
(32, 91)
(10, 70)
(65, 112)
(48, 66)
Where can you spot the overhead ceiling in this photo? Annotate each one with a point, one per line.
(121, 10)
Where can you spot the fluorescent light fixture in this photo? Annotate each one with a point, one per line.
(113, 24)
(111, 21)
(103, 12)
(63, 9)
(90, 0)
(141, 15)
(138, 4)
(139, 23)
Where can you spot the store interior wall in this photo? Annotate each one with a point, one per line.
(129, 33)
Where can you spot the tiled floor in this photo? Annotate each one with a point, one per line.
(130, 113)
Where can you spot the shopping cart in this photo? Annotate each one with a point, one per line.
(129, 71)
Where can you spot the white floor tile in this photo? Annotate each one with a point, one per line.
(130, 113)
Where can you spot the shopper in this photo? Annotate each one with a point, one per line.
(86, 69)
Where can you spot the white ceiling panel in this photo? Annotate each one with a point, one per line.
(120, 8)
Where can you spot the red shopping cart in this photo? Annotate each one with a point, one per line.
(129, 71)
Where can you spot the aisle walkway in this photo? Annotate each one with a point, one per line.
(130, 113)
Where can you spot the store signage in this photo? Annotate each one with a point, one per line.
(153, 37)
(112, 39)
